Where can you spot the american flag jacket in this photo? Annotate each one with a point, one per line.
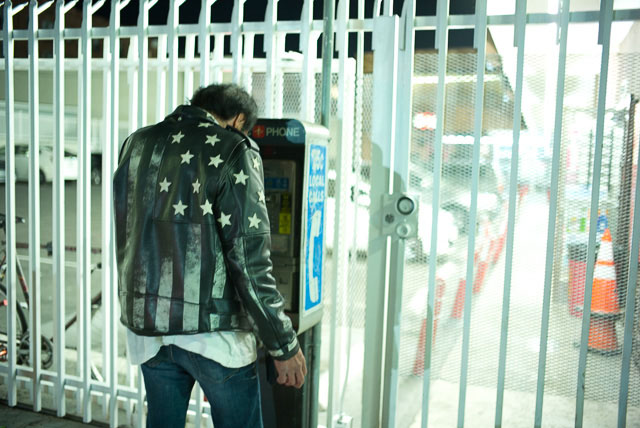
(192, 233)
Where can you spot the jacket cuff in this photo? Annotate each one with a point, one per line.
(287, 351)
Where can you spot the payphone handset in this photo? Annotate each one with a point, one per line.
(294, 155)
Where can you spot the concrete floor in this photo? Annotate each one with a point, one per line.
(18, 417)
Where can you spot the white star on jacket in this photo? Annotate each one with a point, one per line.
(177, 137)
(241, 177)
(164, 185)
(212, 139)
(204, 124)
(206, 208)
(196, 186)
(186, 157)
(256, 163)
(254, 221)
(179, 208)
(224, 219)
(215, 160)
(261, 196)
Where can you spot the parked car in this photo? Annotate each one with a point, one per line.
(47, 166)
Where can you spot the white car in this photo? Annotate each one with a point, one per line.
(47, 169)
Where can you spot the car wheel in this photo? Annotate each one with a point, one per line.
(96, 176)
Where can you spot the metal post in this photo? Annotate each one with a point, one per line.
(308, 41)
(632, 284)
(109, 162)
(403, 42)
(385, 42)
(34, 208)
(237, 17)
(553, 205)
(273, 79)
(604, 38)
(343, 170)
(10, 200)
(84, 212)
(190, 47)
(480, 41)
(442, 35)
(519, 42)
(161, 83)
(204, 43)
(327, 60)
(172, 24)
(58, 202)
(143, 55)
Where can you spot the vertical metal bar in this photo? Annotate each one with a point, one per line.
(388, 7)
(480, 39)
(273, 83)
(327, 60)
(442, 36)
(79, 294)
(84, 210)
(58, 208)
(204, 43)
(143, 52)
(343, 170)
(308, 48)
(161, 82)
(190, 46)
(34, 208)
(403, 44)
(553, 206)
(172, 23)
(385, 42)
(198, 392)
(10, 201)
(606, 11)
(109, 162)
(519, 42)
(140, 388)
(247, 73)
(218, 51)
(630, 308)
(237, 17)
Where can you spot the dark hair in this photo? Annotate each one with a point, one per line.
(225, 101)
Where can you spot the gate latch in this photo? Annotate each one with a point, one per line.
(400, 215)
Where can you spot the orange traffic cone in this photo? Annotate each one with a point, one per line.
(604, 301)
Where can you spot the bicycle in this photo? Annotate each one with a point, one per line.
(22, 308)
(22, 324)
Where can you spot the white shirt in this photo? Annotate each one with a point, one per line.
(231, 349)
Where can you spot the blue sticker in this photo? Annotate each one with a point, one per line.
(315, 226)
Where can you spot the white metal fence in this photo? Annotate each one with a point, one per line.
(493, 139)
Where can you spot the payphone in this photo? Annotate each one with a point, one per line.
(294, 155)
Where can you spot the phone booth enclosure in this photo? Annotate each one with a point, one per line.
(294, 155)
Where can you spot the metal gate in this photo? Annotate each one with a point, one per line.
(522, 148)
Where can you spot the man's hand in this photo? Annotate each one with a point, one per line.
(291, 372)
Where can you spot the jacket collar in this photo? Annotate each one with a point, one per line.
(192, 112)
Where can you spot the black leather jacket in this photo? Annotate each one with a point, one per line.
(192, 233)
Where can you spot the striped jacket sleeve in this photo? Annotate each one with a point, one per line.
(243, 225)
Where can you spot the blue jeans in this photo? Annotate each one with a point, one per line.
(234, 394)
